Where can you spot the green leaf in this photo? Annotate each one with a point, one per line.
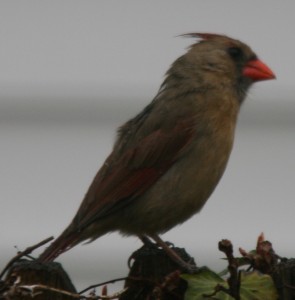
(202, 283)
(254, 286)
(257, 286)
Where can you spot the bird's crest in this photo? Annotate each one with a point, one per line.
(203, 36)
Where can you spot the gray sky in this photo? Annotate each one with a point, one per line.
(95, 45)
(72, 71)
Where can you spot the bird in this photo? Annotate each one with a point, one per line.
(168, 159)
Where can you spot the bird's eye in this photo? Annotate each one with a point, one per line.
(235, 52)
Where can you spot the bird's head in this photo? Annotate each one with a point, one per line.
(217, 59)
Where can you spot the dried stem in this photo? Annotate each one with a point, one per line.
(234, 280)
(24, 253)
(36, 289)
(103, 283)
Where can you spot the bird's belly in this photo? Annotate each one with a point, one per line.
(180, 192)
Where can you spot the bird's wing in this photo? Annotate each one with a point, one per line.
(134, 172)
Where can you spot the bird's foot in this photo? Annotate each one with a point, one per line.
(169, 244)
(185, 262)
(148, 242)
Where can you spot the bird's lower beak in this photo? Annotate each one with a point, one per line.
(257, 70)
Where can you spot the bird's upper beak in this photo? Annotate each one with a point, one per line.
(257, 70)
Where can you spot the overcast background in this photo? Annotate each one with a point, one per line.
(72, 71)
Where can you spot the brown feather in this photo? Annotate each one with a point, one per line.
(168, 159)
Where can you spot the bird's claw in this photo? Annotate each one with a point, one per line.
(169, 244)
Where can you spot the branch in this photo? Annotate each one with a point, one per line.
(36, 289)
(24, 253)
(103, 283)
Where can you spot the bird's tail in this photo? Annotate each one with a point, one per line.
(62, 244)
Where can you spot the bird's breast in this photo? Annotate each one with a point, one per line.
(185, 187)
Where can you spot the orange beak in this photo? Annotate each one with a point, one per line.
(257, 70)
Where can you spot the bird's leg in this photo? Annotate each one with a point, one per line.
(146, 241)
(190, 268)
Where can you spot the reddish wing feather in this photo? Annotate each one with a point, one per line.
(117, 184)
(135, 172)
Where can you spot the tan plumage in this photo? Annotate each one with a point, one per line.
(167, 160)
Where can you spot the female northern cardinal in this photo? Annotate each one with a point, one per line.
(168, 159)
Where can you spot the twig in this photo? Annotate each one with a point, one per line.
(24, 253)
(103, 283)
(217, 289)
(35, 289)
(288, 286)
(264, 259)
(234, 280)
